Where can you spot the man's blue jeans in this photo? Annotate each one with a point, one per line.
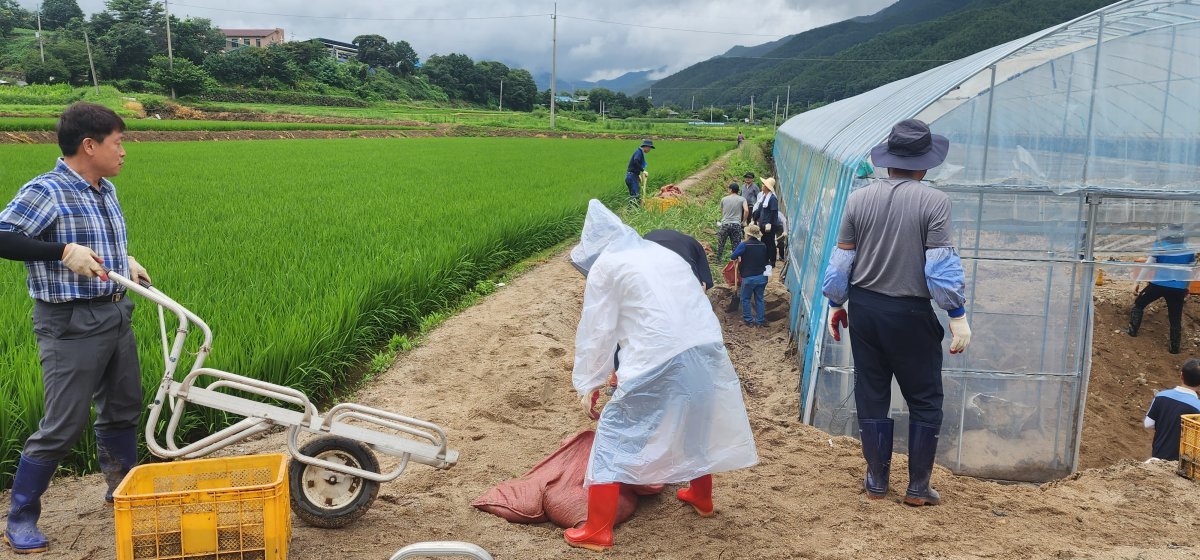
(754, 287)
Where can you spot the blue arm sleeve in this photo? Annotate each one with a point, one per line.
(837, 276)
(945, 279)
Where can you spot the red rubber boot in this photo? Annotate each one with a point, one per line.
(699, 494)
(597, 532)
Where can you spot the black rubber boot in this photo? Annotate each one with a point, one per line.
(1176, 335)
(32, 479)
(876, 436)
(117, 455)
(1135, 320)
(922, 448)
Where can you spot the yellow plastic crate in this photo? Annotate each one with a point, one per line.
(1189, 446)
(233, 508)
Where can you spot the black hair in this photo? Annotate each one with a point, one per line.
(85, 120)
(1191, 373)
(735, 188)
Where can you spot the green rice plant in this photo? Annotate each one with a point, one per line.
(27, 124)
(307, 256)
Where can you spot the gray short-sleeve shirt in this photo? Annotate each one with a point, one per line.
(731, 209)
(891, 222)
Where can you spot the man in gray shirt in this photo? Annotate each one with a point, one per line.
(750, 190)
(734, 213)
(894, 254)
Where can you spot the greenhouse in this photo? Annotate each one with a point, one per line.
(1073, 146)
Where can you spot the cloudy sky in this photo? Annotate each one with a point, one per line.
(587, 50)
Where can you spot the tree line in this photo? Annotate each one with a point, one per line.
(129, 48)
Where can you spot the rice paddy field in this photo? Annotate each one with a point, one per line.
(305, 256)
(25, 124)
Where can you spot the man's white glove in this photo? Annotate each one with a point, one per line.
(83, 261)
(588, 400)
(138, 273)
(767, 227)
(961, 334)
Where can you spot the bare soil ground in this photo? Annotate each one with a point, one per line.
(497, 378)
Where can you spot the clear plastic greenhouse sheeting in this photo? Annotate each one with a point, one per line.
(1056, 120)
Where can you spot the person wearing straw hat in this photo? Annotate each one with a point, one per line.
(894, 254)
(635, 172)
(753, 265)
(766, 214)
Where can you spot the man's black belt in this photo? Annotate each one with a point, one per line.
(110, 298)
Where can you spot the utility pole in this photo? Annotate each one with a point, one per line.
(751, 110)
(553, 63)
(41, 47)
(776, 123)
(710, 109)
(170, 53)
(787, 104)
(92, 65)
(502, 95)
(693, 103)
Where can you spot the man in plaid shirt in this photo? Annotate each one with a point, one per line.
(67, 226)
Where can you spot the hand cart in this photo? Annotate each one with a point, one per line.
(334, 478)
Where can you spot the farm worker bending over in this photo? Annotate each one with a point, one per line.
(677, 414)
(894, 254)
(68, 228)
(635, 172)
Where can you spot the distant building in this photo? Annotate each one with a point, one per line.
(238, 38)
(342, 52)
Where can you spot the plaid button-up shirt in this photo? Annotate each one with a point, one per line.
(60, 206)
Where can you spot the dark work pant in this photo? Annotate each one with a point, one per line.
(901, 337)
(732, 233)
(633, 183)
(88, 355)
(768, 239)
(1175, 299)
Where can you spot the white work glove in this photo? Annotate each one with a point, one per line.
(138, 273)
(83, 261)
(837, 319)
(588, 400)
(645, 176)
(767, 227)
(961, 335)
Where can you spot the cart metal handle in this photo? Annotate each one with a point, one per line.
(442, 548)
(389, 420)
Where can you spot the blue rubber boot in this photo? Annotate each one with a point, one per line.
(922, 448)
(876, 436)
(31, 481)
(117, 453)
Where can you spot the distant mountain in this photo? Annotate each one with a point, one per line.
(629, 83)
(853, 56)
(758, 50)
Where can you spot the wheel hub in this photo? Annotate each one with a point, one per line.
(328, 489)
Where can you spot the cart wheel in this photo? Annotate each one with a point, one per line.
(323, 498)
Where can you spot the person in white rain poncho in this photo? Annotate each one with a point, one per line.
(677, 413)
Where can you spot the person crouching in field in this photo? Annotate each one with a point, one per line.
(1168, 406)
(67, 226)
(677, 414)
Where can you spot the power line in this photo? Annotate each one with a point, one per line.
(464, 18)
(740, 34)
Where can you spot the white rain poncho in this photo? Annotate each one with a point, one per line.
(677, 413)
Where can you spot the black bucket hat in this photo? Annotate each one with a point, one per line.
(647, 144)
(911, 147)
(748, 175)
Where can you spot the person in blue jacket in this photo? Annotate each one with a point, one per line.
(1170, 249)
(636, 170)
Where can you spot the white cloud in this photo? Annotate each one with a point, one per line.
(585, 48)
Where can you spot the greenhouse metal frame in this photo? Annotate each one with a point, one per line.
(1071, 148)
